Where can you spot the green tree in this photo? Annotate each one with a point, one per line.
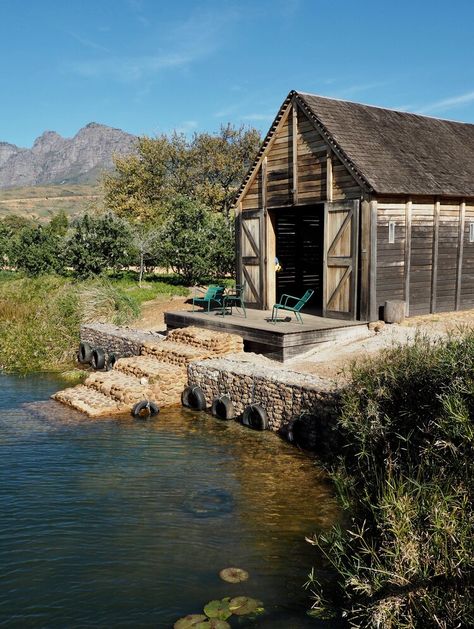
(97, 243)
(59, 223)
(144, 246)
(195, 242)
(37, 250)
(208, 168)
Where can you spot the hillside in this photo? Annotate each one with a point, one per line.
(57, 160)
(42, 202)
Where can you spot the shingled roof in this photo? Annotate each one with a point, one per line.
(395, 152)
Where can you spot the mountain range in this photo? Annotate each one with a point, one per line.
(56, 160)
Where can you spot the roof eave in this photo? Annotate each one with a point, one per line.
(361, 179)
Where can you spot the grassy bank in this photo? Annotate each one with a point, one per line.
(405, 473)
(40, 317)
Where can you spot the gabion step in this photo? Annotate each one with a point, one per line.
(120, 386)
(89, 401)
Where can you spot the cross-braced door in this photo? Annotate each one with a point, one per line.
(252, 256)
(341, 228)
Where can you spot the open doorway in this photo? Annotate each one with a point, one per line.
(299, 242)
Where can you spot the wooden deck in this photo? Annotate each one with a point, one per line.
(279, 341)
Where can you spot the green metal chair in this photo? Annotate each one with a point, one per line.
(235, 299)
(214, 294)
(293, 304)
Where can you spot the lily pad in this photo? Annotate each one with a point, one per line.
(241, 605)
(218, 609)
(213, 623)
(191, 621)
(233, 575)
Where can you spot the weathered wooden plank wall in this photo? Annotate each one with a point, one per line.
(310, 163)
(430, 264)
(467, 275)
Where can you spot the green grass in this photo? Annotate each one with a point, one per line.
(40, 317)
(404, 469)
(151, 287)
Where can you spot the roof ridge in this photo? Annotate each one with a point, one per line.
(399, 111)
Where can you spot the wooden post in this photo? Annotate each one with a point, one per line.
(263, 237)
(329, 175)
(294, 136)
(462, 219)
(365, 260)
(373, 310)
(408, 212)
(434, 259)
(238, 244)
(264, 183)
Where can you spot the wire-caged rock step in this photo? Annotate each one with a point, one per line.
(158, 375)
(90, 401)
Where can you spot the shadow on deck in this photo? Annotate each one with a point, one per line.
(279, 341)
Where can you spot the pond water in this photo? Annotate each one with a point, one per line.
(126, 523)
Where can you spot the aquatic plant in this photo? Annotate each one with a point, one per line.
(218, 609)
(233, 575)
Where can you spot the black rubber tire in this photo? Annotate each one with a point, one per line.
(145, 409)
(254, 416)
(98, 358)
(223, 408)
(193, 397)
(84, 354)
(111, 360)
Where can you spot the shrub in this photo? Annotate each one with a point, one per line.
(406, 470)
(97, 243)
(37, 250)
(195, 242)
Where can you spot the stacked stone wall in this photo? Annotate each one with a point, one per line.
(285, 395)
(121, 341)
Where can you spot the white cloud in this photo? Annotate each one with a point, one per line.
(88, 43)
(180, 46)
(447, 103)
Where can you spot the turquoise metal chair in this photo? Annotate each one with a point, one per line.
(214, 295)
(235, 299)
(292, 304)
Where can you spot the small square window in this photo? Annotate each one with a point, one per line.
(471, 231)
(391, 232)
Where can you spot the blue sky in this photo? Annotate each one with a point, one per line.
(149, 66)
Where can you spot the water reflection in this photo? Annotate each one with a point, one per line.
(118, 522)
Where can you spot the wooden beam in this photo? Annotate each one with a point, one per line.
(364, 259)
(264, 183)
(254, 173)
(434, 257)
(238, 243)
(408, 213)
(329, 176)
(462, 220)
(373, 309)
(294, 138)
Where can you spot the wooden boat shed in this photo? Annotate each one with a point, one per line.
(362, 204)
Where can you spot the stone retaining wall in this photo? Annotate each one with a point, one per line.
(285, 395)
(121, 341)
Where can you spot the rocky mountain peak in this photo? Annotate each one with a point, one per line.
(54, 159)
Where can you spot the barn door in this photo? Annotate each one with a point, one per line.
(252, 258)
(341, 228)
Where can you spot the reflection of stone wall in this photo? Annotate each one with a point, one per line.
(284, 394)
(119, 340)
